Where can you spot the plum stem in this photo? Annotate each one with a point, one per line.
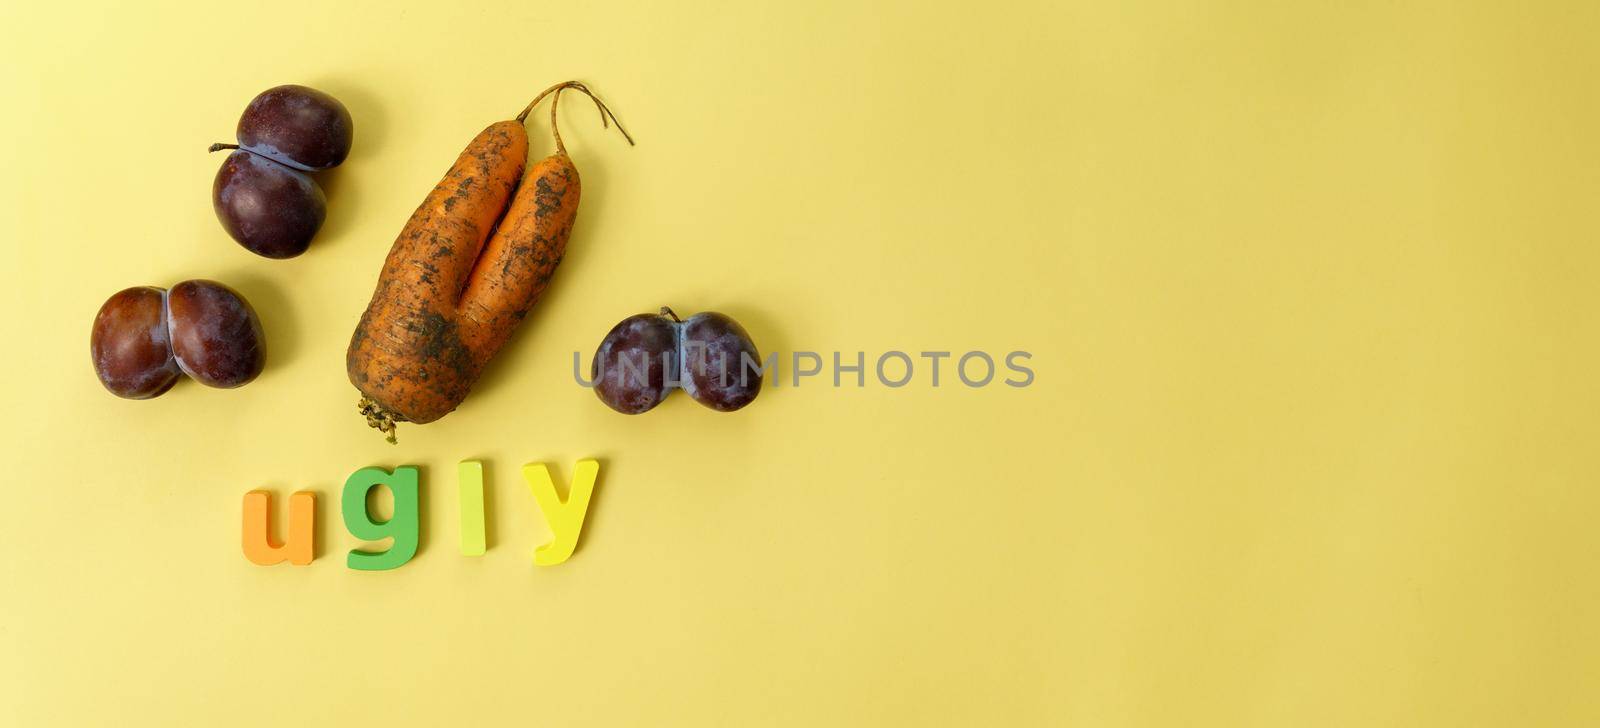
(607, 116)
(219, 146)
(668, 313)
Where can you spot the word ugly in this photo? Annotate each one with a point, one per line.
(564, 516)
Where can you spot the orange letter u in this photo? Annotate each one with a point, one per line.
(297, 549)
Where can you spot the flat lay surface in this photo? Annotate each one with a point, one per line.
(1308, 295)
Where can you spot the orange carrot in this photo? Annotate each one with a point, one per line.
(466, 269)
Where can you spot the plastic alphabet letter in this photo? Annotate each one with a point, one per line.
(565, 518)
(403, 527)
(469, 493)
(298, 548)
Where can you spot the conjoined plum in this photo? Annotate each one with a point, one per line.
(145, 339)
(263, 194)
(644, 357)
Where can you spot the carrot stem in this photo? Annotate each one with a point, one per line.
(555, 130)
(606, 114)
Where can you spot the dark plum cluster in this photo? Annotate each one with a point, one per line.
(145, 339)
(645, 357)
(263, 194)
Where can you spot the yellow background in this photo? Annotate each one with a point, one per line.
(1310, 289)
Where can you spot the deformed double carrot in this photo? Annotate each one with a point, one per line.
(466, 269)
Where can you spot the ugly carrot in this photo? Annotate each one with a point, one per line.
(466, 269)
